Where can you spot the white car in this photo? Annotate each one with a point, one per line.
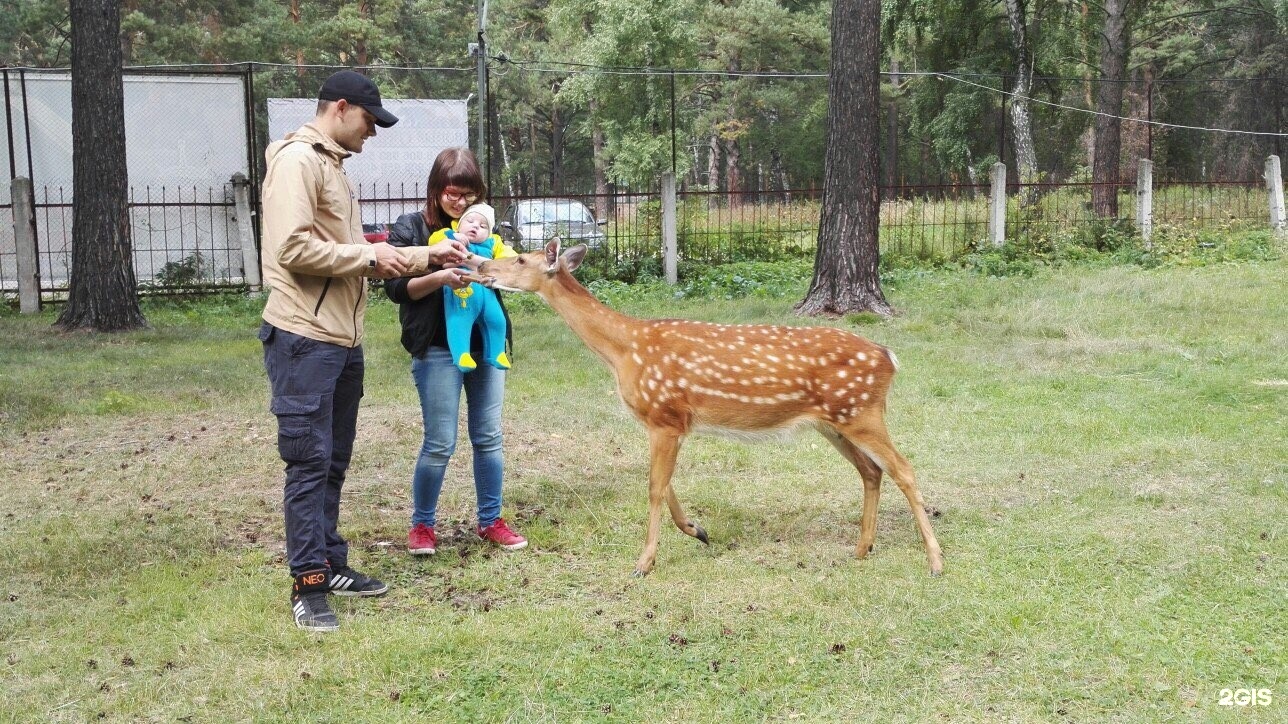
(530, 223)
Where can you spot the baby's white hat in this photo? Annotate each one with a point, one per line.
(485, 211)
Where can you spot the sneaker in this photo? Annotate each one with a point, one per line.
(421, 540)
(308, 602)
(348, 582)
(500, 534)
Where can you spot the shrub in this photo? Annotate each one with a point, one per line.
(187, 272)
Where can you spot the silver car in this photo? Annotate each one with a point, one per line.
(530, 223)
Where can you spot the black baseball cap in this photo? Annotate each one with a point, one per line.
(358, 89)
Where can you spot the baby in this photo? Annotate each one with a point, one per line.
(476, 303)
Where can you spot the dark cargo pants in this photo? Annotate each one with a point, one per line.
(316, 388)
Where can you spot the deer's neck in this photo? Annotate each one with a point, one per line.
(604, 331)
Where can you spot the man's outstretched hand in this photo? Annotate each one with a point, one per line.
(448, 252)
(389, 261)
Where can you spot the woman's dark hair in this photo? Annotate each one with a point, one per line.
(453, 167)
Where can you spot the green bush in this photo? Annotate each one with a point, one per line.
(187, 272)
(750, 279)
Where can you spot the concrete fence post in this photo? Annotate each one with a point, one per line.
(24, 236)
(246, 232)
(1145, 200)
(670, 250)
(1275, 188)
(997, 205)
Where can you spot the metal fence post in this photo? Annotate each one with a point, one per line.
(669, 246)
(24, 236)
(997, 205)
(1275, 187)
(246, 232)
(1145, 200)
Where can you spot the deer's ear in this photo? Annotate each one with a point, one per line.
(552, 253)
(572, 258)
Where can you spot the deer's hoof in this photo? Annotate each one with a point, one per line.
(700, 534)
(638, 573)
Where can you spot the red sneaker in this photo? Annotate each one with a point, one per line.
(421, 540)
(500, 534)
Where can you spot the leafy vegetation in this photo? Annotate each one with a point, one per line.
(753, 118)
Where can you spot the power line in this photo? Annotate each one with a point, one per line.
(1146, 121)
(958, 77)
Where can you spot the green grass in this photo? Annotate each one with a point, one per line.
(1105, 447)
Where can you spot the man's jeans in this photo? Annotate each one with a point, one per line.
(316, 388)
(439, 383)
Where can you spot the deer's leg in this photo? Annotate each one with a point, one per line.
(681, 521)
(876, 444)
(664, 445)
(871, 475)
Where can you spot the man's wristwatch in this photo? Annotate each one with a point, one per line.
(371, 263)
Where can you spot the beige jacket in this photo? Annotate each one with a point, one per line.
(314, 256)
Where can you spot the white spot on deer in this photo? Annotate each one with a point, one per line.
(869, 380)
(652, 384)
(863, 396)
(683, 383)
(638, 360)
(863, 356)
(873, 362)
(841, 374)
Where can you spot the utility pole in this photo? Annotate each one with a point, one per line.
(479, 51)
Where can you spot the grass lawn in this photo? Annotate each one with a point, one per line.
(1104, 448)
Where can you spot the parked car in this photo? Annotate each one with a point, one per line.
(375, 233)
(528, 224)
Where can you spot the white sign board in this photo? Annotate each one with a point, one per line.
(179, 130)
(394, 164)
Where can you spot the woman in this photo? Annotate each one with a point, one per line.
(455, 183)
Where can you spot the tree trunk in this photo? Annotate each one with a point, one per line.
(294, 12)
(556, 151)
(779, 173)
(713, 172)
(597, 151)
(103, 294)
(360, 51)
(1026, 155)
(892, 133)
(846, 276)
(733, 177)
(1106, 150)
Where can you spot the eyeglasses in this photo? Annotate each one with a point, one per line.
(453, 197)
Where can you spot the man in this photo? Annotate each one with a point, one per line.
(316, 263)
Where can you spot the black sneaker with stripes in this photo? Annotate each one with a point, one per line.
(308, 602)
(348, 582)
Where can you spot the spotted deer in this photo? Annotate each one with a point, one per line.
(679, 377)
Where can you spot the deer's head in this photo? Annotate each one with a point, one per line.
(528, 272)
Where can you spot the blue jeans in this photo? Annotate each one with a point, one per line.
(439, 383)
(316, 387)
